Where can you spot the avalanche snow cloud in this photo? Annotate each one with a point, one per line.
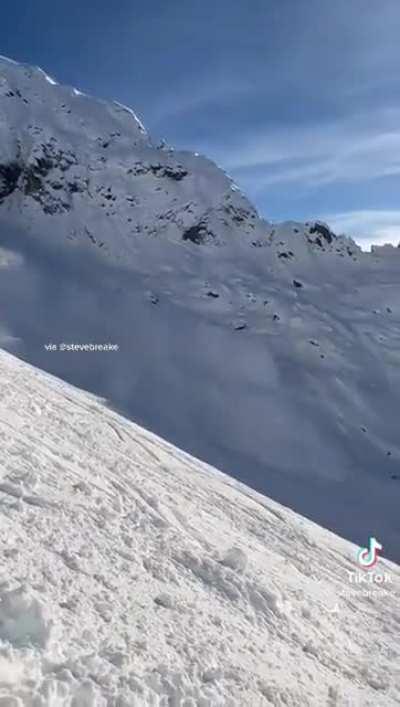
(133, 575)
(270, 351)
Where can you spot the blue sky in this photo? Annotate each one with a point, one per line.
(299, 100)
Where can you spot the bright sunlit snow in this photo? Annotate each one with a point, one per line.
(270, 351)
(134, 575)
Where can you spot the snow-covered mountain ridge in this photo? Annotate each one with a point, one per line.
(133, 575)
(270, 351)
(62, 151)
(96, 158)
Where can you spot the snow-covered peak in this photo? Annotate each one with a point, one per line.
(35, 89)
(131, 574)
(72, 157)
(87, 169)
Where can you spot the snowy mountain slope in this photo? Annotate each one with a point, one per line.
(133, 574)
(91, 166)
(63, 153)
(271, 351)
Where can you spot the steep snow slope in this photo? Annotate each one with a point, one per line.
(270, 351)
(134, 575)
(63, 153)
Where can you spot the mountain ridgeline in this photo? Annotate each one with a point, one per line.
(268, 350)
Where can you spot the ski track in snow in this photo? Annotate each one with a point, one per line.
(133, 574)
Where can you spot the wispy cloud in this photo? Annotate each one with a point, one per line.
(184, 98)
(358, 148)
(368, 227)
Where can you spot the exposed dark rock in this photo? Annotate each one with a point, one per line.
(9, 176)
(75, 187)
(196, 234)
(55, 207)
(297, 284)
(238, 214)
(175, 172)
(31, 179)
(323, 231)
(42, 165)
(33, 184)
(213, 294)
(90, 236)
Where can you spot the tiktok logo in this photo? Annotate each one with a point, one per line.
(367, 557)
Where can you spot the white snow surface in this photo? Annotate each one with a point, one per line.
(270, 351)
(132, 574)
